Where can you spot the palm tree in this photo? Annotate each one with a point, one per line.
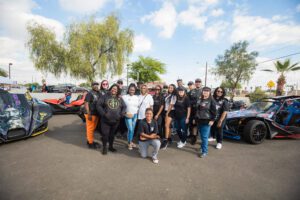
(3, 73)
(282, 69)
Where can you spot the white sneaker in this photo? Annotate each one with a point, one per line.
(181, 145)
(211, 139)
(219, 146)
(155, 161)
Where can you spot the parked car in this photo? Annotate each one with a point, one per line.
(277, 117)
(22, 116)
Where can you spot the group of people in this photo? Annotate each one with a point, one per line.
(194, 110)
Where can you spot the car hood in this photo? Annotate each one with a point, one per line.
(247, 113)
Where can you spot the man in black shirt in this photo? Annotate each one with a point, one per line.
(91, 114)
(158, 106)
(194, 95)
(148, 135)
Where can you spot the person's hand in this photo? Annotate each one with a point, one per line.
(90, 117)
(219, 124)
(210, 123)
(156, 117)
(187, 120)
(157, 137)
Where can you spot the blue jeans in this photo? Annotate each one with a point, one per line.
(130, 123)
(144, 147)
(204, 130)
(181, 129)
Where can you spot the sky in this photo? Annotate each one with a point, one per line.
(183, 34)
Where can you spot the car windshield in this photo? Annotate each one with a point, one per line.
(264, 106)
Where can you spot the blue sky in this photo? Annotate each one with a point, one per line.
(182, 34)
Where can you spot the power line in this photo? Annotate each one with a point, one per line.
(289, 43)
(279, 57)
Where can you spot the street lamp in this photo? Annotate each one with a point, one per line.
(10, 64)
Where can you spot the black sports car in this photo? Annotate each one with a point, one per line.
(277, 117)
(22, 116)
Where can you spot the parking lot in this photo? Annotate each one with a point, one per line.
(58, 165)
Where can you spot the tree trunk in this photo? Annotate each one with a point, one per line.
(280, 85)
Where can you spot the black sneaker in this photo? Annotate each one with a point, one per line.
(112, 149)
(92, 146)
(164, 145)
(193, 140)
(104, 151)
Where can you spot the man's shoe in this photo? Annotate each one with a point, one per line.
(211, 139)
(92, 145)
(164, 144)
(193, 140)
(104, 151)
(181, 145)
(219, 146)
(112, 149)
(155, 161)
(203, 155)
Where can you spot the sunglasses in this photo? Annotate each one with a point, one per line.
(198, 82)
(157, 89)
(104, 83)
(219, 91)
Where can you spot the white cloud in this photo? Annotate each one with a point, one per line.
(165, 18)
(204, 2)
(280, 18)
(15, 15)
(298, 8)
(192, 17)
(215, 31)
(119, 3)
(82, 6)
(142, 43)
(217, 12)
(263, 32)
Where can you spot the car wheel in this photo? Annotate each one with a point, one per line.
(255, 132)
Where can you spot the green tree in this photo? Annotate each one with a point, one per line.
(147, 69)
(236, 65)
(85, 85)
(89, 48)
(282, 69)
(257, 94)
(3, 73)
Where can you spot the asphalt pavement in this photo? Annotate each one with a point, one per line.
(58, 165)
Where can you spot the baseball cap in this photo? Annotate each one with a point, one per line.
(198, 80)
(179, 79)
(95, 83)
(180, 89)
(120, 81)
(206, 88)
(190, 83)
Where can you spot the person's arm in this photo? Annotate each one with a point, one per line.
(224, 113)
(213, 112)
(188, 105)
(99, 106)
(151, 101)
(159, 112)
(123, 108)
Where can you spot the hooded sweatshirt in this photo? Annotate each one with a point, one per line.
(111, 108)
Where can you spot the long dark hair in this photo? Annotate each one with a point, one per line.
(215, 93)
(131, 86)
(118, 89)
(206, 89)
(174, 91)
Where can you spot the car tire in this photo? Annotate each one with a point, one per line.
(255, 132)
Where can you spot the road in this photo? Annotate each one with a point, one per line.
(58, 165)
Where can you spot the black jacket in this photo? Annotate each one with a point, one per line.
(194, 95)
(110, 108)
(206, 110)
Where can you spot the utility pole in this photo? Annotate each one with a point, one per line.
(205, 74)
(10, 64)
(127, 72)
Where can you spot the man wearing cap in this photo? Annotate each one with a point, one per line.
(180, 84)
(120, 84)
(91, 114)
(191, 86)
(194, 95)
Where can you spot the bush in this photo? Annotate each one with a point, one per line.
(257, 95)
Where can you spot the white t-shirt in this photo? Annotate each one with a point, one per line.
(170, 100)
(144, 103)
(132, 103)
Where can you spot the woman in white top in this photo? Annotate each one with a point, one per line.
(132, 103)
(170, 100)
(145, 101)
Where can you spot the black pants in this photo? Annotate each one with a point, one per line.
(108, 132)
(160, 124)
(216, 132)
